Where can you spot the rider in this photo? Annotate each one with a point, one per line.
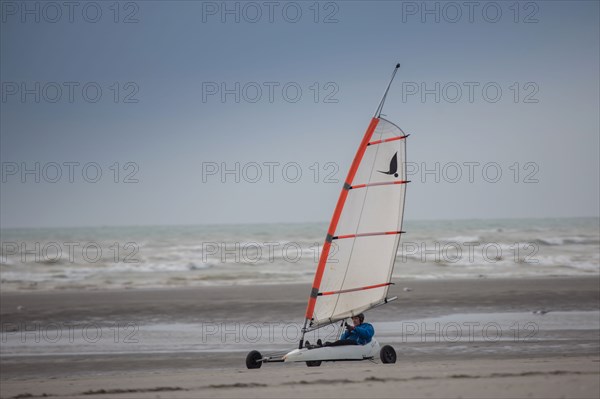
(360, 333)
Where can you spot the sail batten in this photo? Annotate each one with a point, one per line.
(388, 140)
(381, 233)
(368, 287)
(379, 184)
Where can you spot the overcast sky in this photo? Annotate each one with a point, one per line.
(157, 112)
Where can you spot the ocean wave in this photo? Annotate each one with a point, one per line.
(461, 239)
(173, 256)
(150, 267)
(555, 241)
(6, 261)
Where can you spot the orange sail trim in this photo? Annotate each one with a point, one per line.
(388, 140)
(312, 300)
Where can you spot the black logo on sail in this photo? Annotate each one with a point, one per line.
(393, 166)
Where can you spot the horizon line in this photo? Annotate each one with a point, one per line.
(278, 223)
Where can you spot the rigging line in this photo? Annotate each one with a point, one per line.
(403, 202)
(401, 216)
(341, 330)
(364, 201)
(311, 328)
(336, 216)
(369, 307)
(363, 205)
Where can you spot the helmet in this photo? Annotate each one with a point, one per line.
(360, 316)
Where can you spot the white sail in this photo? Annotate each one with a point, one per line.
(360, 250)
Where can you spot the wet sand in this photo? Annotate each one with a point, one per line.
(561, 360)
(288, 302)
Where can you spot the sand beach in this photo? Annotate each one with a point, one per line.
(482, 337)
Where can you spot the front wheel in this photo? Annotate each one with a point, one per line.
(253, 360)
(313, 363)
(387, 354)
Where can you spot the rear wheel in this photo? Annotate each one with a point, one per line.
(387, 354)
(313, 363)
(253, 360)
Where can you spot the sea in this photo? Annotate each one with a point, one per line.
(103, 258)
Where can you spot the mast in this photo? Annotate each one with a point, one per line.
(380, 107)
(338, 211)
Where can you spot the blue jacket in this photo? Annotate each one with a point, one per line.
(362, 334)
